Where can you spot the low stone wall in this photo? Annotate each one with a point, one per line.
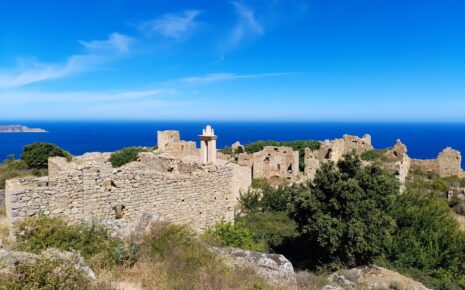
(85, 190)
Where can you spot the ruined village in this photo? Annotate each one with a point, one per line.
(178, 182)
(181, 183)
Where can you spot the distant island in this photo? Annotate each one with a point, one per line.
(20, 129)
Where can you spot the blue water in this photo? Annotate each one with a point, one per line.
(423, 140)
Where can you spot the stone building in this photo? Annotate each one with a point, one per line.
(173, 185)
(276, 164)
(448, 163)
(397, 161)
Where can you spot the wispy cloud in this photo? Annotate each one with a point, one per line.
(172, 25)
(81, 96)
(96, 53)
(246, 28)
(217, 77)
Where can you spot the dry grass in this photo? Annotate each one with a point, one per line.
(173, 257)
(311, 281)
(4, 232)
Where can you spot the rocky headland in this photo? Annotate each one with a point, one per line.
(20, 129)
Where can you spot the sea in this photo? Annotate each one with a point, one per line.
(423, 140)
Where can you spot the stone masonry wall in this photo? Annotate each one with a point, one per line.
(91, 189)
(276, 163)
(448, 163)
(166, 137)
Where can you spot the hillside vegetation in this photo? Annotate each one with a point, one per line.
(350, 216)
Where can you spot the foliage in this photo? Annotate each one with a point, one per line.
(270, 228)
(47, 274)
(36, 155)
(298, 145)
(428, 240)
(268, 198)
(373, 155)
(187, 263)
(93, 242)
(227, 234)
(11, 168)
(250, 200)
(259, 183)
(125, 155)
(343, 215)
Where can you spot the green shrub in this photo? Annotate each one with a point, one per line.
(428, 240)
(36, 155)
(250, 200)
(278, 198)
(184, 261)
(373, 155)
(227, 234)
(259, 183)
(11, 169)
(125, 155)
(46, 273)
(268, 198)
(183, 254)
(270, 228)
(343, 215)
(93, 242)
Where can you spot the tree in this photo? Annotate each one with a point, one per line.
(125, 155)
(343, 214)
(428, 239)
(36, 155)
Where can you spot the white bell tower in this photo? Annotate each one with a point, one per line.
(208, 145)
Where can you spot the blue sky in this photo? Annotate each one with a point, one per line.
(357, 60)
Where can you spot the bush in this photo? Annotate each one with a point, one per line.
(267, 198)
(46, 273)
(125, 155)
(36, 155)
(428, 240)
(187, 262)
(373, 155)
(91, 241)
(229, 235)
(270, 228)
(11, 169)
(250, 200)
(343, 215)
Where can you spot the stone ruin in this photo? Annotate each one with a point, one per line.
(183, 184)
(275, 164)
(281, 164)
(171, 183)
(448, 163)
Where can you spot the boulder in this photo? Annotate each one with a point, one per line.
(373, 277)
(147, 224)
(274, 268)
(8, 259)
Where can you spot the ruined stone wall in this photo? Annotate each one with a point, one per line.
(175, 191)
(242, 179)
(276, 163)
(335, 149)
(166, 137)
(312, 163)
(449, 162)
(359, 145)
(426, 165)
(182, 148)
